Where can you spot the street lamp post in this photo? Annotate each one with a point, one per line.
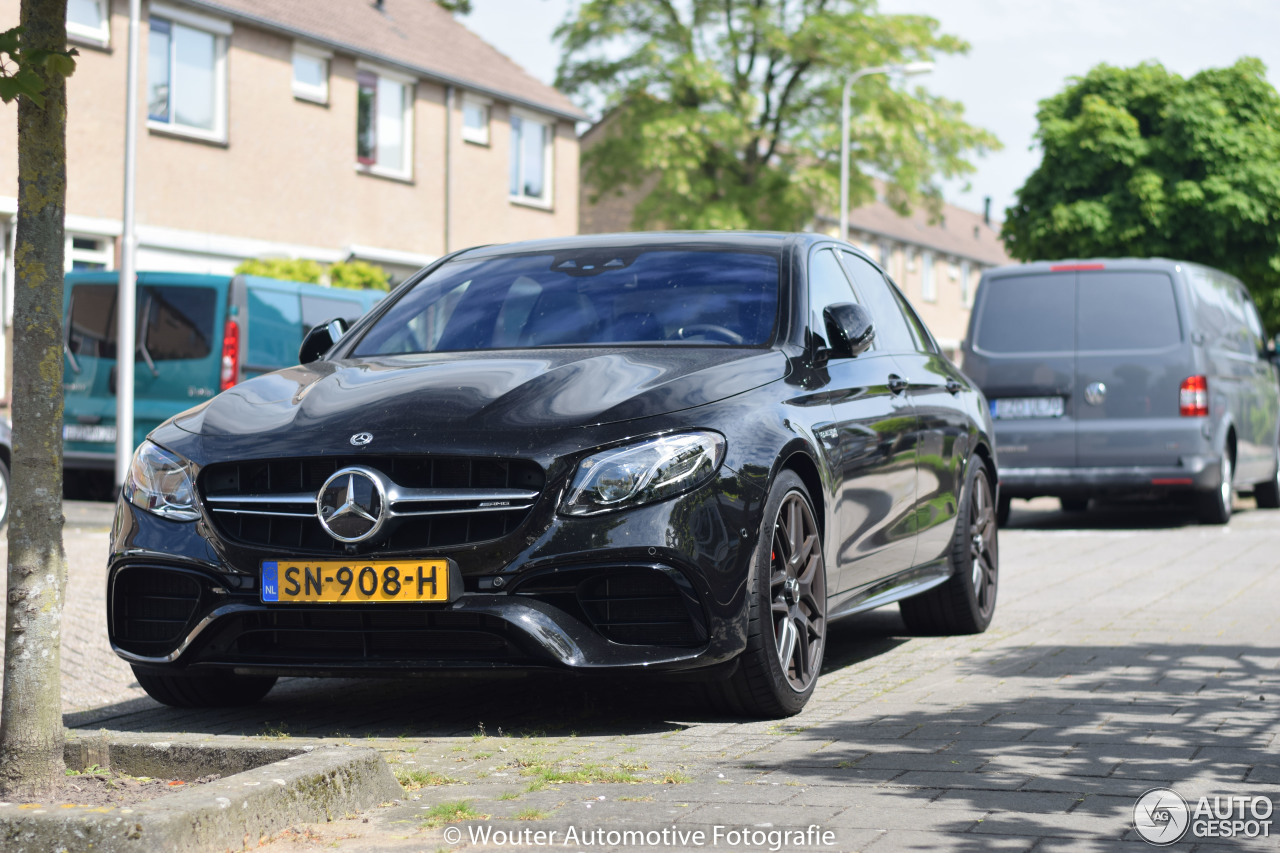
(907, 70)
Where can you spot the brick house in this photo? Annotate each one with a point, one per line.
(380, 130)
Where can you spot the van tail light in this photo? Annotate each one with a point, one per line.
(1193, 397)
(230, 356)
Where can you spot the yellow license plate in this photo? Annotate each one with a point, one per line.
(354, 581)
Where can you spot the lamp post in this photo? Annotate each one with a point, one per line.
(907, 70)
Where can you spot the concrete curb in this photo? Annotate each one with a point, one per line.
(298, 786)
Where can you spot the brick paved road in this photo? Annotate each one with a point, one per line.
(1131, 649)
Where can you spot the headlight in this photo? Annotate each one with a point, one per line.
(160, 483)
(643, 473)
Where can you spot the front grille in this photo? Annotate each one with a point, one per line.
(153, 607)
(442, 501)
(640, 607)
(349, 636)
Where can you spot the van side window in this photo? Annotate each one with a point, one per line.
(179, 321)
(892, 331)
(828, 285)
(1253, 323)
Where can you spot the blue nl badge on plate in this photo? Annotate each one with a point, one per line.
(270, 590)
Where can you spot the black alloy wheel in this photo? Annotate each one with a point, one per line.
(1267, 495)
(787, 612)
(966, 603)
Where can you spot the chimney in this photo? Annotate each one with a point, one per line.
(986, 209)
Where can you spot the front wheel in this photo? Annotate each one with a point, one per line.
(787, 611)
(967, 601)
(204, 689)
(1267, 495)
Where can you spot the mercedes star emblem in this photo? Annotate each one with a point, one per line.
(360, 439)
(352, 504)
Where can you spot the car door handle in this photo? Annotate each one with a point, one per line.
(954, 386)
(897, 384)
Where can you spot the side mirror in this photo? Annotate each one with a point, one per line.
(849, 329)
(321, 339)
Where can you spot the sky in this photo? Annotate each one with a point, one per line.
(1021, 51)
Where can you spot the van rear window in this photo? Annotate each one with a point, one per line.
(1126, 311)
(178, 321)
(1034, 313)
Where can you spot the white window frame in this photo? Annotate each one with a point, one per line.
(221, 31)
(410, 96)
(548, 161)
(480, 136)
(302, 91)
(99, 36)
(928, 282)
(966, 288)
(105, 256)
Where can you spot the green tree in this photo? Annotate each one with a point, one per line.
(729, 109)
(1142, 162)
(34, 65)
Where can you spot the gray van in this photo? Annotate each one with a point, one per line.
(1124, 377)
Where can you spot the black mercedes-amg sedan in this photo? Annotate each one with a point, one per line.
(681, 454)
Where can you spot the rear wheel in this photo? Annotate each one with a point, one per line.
(212, 689)
(787, 619)
(1215, 506)
(1267, 495)
(967, 601)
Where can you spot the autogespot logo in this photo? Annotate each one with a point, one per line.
(1161, 816)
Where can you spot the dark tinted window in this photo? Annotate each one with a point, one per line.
(1027, 314)
(596, 296)
(321, 309)
(828, 285)
(892, 331)
(177, 321)
(1126, 311)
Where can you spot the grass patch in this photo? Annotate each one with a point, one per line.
(554, 774)
(508, 795)
(531, 814)
(454, 812)
(644, 799)
(412, 780)
(674, 777)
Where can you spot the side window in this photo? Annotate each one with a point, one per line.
(828, 285)
(1257, 337)
(892, 330)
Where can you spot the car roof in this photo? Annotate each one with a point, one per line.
(742, 240)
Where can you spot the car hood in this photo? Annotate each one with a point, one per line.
(448, 392)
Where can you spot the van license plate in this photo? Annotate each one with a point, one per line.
(89, 432)
(355, 581)
(1027, 407)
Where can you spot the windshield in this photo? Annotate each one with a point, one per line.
(596, 297)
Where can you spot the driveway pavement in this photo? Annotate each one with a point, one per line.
(1131, 650)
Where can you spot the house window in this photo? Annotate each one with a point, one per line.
(966, 289)
(186, 73)
(87, 21)
(928, 285)
(311, 74)
(383, 124)
(85, 252)
(475, 120)
(530, 160)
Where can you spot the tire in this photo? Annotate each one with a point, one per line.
(4, 495)
(787, 612)
(212, 689)
(1074, 504)
(1003, 508)
(1214, 507)
(1267, 495)
(966, 603)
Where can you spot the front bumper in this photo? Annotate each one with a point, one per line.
(1192, 474)
(660, 587)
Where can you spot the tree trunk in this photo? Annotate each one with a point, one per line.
(31, 734)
